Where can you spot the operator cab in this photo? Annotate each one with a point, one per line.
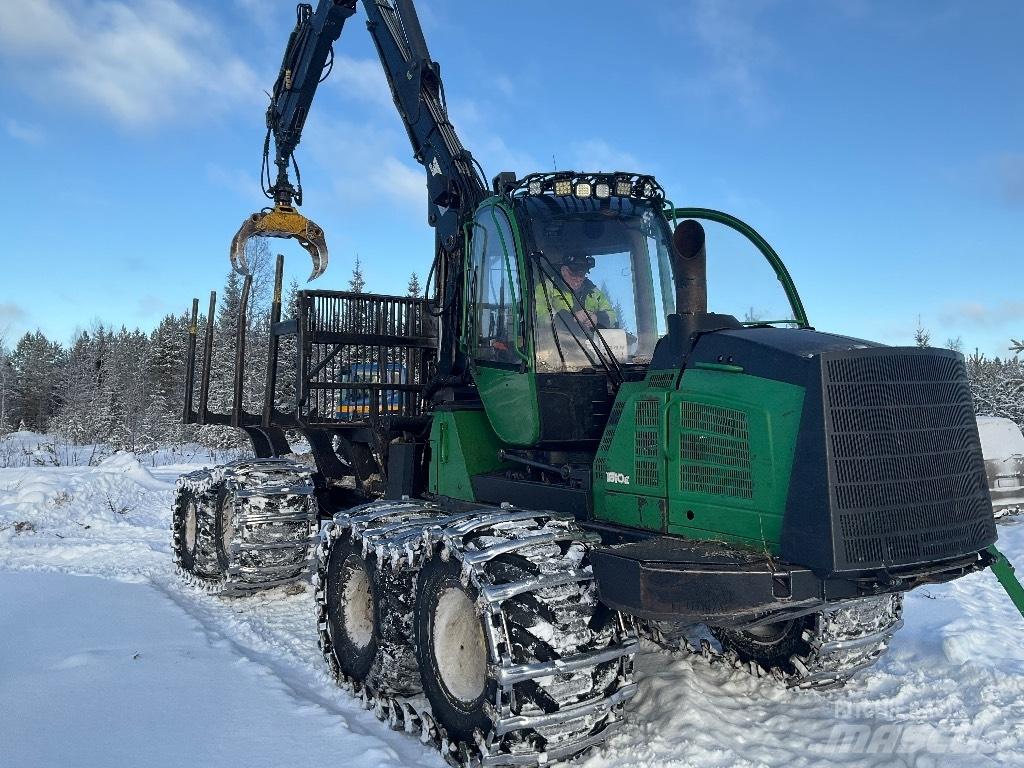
(569, 290)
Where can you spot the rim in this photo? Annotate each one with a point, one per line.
(460, 652)
(191, 515)
(357, 604)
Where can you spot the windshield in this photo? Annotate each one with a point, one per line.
(601, 280)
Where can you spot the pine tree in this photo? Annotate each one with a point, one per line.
(413, 289)
(356, 283)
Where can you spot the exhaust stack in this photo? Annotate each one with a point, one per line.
(691, 269)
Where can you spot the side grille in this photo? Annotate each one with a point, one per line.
(908, 482)
(609, 431)
(662, 380)
(714, 451)
(647, 443)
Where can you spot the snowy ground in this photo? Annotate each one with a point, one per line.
(107, 660)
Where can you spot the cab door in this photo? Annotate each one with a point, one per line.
(495, 332)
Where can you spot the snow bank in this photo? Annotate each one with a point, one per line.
(1000, 438)
(949, 693)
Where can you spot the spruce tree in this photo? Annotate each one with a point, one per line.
(413, 289)
(922, 337)
(35, 364)
(356, 283)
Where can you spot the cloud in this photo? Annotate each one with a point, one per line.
(738, 52)
(362, 161)
(362, 79)
(599, 155)
(140, 63)
(243, 184)
(1010, 177)
(11, 312)
(29, 134)
(982, 314)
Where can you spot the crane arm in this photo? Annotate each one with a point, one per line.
(454, 183)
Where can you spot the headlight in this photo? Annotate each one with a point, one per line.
(563, 187)
(623, 188)
(602, 190)
(583, 189)
(536, 187)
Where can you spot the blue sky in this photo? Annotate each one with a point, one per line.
(879, 146)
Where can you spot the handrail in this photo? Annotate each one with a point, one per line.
(773, 259)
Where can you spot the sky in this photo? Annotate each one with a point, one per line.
(878, 146)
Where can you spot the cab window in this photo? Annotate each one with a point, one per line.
(495, 334)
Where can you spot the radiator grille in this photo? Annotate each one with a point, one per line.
(908, 483)
(714, 451)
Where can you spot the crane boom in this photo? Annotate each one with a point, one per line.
(454, 182)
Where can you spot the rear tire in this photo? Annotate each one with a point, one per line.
(352, 611)
(224, 515)
(186, 529)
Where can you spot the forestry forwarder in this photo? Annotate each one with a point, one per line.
(557, 470)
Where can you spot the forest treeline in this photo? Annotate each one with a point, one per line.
(124, 388)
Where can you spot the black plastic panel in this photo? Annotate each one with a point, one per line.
(907, 480)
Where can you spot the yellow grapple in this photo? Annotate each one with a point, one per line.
(280, 221)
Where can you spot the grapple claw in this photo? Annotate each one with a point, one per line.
(280, 221)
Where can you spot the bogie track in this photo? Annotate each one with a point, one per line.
(555, 667)
(244, 526)
(821, 650)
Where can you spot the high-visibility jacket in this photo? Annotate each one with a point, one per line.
(552, 299)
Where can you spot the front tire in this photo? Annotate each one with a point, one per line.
(770, 646)
(452, 651)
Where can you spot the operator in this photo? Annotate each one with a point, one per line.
(587, 302)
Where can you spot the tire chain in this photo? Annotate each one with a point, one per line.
(402, 536)
(844, 639)
(275, 511)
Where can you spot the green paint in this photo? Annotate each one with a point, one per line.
(510, 399)
(708, 214)
(744, 430)
(1004, 573)
(717, 453)
(462, 444)
(509, 393)
(631, 458)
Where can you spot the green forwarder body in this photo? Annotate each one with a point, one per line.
(764, 473)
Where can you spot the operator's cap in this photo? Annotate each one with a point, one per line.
(580, 264)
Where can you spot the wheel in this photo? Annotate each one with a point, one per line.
(186, 529)
(518, 659)
(224, 527)
(352, 610)
(452, 651)
(771, 646)
(244, 526)
(364, 616)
